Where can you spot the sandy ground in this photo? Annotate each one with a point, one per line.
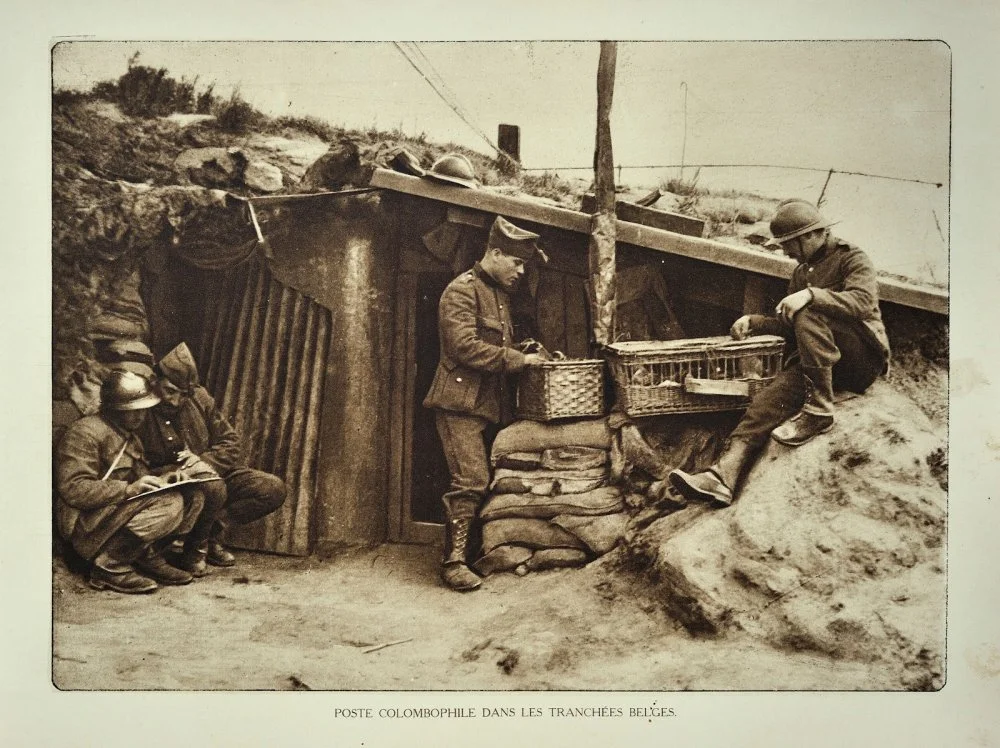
(283, 623)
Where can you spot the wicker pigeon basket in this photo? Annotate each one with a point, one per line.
(564, 388)
(695, 375)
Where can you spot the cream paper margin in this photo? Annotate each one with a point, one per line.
(34, 713)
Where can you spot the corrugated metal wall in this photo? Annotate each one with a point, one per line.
(266, 348)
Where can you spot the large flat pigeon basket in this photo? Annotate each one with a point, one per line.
(564, 388)
(694, 375)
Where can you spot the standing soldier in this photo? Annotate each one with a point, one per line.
(471, 391)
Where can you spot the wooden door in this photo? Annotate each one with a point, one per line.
(419, 473)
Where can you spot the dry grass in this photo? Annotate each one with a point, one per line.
(722, 210)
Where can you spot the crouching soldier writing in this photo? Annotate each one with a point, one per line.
(832, 312)
(187, 430)
(101, 474)
(470, 391)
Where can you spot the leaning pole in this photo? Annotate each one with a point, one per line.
(601, 248)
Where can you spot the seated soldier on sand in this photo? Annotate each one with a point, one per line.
(832, 312)
(100, 473)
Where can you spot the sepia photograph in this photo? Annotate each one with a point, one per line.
(535, 366)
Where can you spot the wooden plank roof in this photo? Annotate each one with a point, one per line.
(742, 258)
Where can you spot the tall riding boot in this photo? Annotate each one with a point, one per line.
(816, 416)
(718, 483)
(112, 568)
(455, 571)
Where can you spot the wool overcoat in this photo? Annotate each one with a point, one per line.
(90, 509)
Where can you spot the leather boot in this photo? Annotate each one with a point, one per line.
(718, 483)
(112, 568)
(816, 416)
(217, 553)
(455, 571)
(125, 580)
(154, 565)
(729, 467)
(193, 558)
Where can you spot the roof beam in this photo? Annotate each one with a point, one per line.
(741, 258)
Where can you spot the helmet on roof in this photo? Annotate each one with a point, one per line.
(126, 390)
(795, 218)
(453, 168)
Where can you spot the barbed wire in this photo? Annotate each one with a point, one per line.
(739, 166)
(427, 71)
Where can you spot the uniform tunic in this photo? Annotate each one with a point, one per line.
(471, 389)
(198, 425)
(841, 328)
(90, 507)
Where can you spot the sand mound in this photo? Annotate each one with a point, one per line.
(835, 547)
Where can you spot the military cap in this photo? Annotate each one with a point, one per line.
(515, 241)
(179, 367)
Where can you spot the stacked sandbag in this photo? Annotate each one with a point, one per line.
(551, 503)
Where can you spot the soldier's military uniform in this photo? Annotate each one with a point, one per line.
(840, 341)
(472, 389)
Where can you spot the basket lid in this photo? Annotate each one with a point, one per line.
(718, 342)
(572, 362)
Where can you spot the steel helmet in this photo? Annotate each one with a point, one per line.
(126, 390)
(453, 168)
(795, 218)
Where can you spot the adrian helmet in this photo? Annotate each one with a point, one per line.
(454, 168)
(126, 390)
(795, 218)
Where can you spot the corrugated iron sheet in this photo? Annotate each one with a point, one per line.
(266, 346)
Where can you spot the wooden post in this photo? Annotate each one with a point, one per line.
(509, 141)
(822, 193)
(601, 249)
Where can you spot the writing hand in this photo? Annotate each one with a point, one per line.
(143, 484)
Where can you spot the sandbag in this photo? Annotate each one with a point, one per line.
(503, 558)
(600, 534)
(572, 458)
(520, 461)
(532, 436)
(547, 482)
(536, 475)
(617, 459)
(510, 485)
(555, 558)
(531, 533)
(639, 454)
(606, 500)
